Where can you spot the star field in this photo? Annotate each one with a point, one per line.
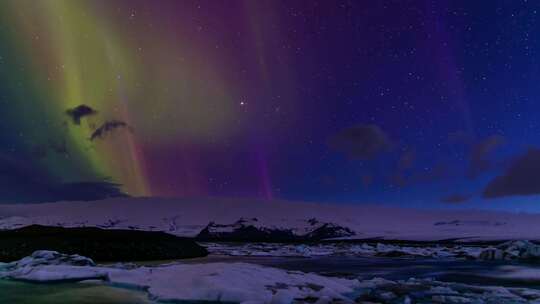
(413, 103)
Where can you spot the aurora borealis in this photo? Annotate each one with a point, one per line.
(61, 54)
(416, 103)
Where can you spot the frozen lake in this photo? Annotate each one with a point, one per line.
(462, 271)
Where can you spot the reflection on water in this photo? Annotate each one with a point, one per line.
(13, 292)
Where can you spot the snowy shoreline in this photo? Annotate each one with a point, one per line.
(249, 283)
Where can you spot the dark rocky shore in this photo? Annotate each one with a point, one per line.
(97, 244)
(250, 230)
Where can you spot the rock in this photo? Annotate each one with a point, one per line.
(244, 230)
(328, 231)
(393, 254)
(252, 230)
(97, 244)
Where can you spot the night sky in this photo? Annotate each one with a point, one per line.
(430, 104)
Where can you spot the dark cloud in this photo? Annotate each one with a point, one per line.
(455, 198)
(79, 112)
(23, 183)
(521, 178)
(107, 127)
(87, 191)
(479, 158)
(364, 142)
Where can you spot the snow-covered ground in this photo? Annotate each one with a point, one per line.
(188, 217)
(248, 283)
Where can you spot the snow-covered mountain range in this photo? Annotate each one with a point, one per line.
(213, 218)
(252, 229)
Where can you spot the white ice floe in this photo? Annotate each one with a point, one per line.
(46, 257)
(342, 249)
(235, 282)
(512, 250)
(187, 217)
(48, 266)
(430, 291)
(247, 283)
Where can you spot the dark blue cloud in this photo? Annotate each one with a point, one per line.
(364, 142)
(521, 178)
(20, 183)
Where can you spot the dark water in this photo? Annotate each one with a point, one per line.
(471, 272)
(462, 271)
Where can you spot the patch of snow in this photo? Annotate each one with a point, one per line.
(512, 250)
